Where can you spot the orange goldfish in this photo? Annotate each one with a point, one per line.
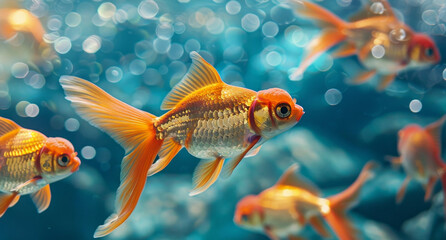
(420, 157)
(284, 209)
(383, 44)
(13, 20)
(29, 162)
(211, 119)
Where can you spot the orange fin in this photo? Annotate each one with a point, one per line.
(291, 237)
(131, 128)
(402, 190)
(42, 198)
(14, 202)
(232, 164)
(435, 129)
(385, 81)
(201, 74)
(6, 200)
(206, 174)
(345, 50)
(429, 187)
(318, 225)
(320, 15)
(290, 178)
(253, 152)
(372, 9)
(319, 45)
(7, 126)
(336, 218)
(396, 161)
(270, 233)
(298, 216)
(169, 149)
(363, 77)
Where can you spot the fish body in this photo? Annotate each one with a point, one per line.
(211, 119)
(420, 156)
(384, 45)
(29, 162)
(283, 210)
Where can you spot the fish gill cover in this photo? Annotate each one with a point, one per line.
(138, 50)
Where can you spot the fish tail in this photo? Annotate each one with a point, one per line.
(6, 201)
(335, 32)
(340, 202)
(132, 128)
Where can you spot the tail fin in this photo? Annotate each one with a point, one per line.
(340, 202)
(334, 33)
(131, 128)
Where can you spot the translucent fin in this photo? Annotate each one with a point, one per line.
(318, 225)
(363, 77)
(402, 190)
(7, 126)
(341, 225)
(428, 187)
(385, 81)
(42, 198)
(232, 164)
(131, 128)
(396, 161)
(345, 50)
(201, 74)
(320, 15)
(6, 200)
(253, 152)
(206, 174)
(291, 178)
(319, 45)
(14, 202)
(169, 149)
(270, 233)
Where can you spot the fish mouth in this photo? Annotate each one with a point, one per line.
(300, 112)
(76, 164)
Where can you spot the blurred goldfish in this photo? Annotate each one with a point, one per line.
(208, 117)
(14, 20)
(420, 157)
(29, 162)
(284, 209)
(383, 44)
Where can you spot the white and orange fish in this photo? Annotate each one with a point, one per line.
(29, 162)
(420, 157)
(283, 210)
(384, 45)
(211, 119)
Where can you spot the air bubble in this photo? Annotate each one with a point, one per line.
(88, 152)
(19, 70)
(106, 10)
(273, 58)
(72, 125)
(333, 96)
(32, 110)
(430, 17)
(148, 9)
(377, 8)
(233, 7)
(92, 44)
(161, 46)
(62, 45)
(250, 22)
(378, 51)
(137, 67)
(113, 74)
(73, 19)
(215, 26)
(164, 31)
(270, 29)
(415, 106)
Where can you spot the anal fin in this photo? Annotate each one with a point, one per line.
(231, 165)
(206, 174)
(402, 190)
(42, 198)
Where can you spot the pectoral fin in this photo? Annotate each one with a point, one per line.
(253, 152)
(206, 174)
(6, 201)
(363, 77)
(402, 190)
(385, 81)
(231, 165)
(269, 232)
(345, 50)
(429, 187)
(42, 198)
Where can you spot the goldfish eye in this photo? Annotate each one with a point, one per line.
(429, 52)
(63, 160)
(283, 110)
(244, 217)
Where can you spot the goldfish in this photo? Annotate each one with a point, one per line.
(384, 45)
(420, 157)
(283, 210)
(30, 162)
(214, 121)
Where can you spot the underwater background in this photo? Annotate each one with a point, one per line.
(138, 50)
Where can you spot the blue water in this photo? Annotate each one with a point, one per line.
(138, 50)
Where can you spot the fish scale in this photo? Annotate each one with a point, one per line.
(18, 160)
(217, 124)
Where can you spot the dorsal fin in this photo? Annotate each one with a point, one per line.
(16, 4)
(434, 129)
(201, 74)
(290, 178)
(7, 126)
(374, 8)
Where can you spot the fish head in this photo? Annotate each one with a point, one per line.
(248, 213)
(58, 159)
(275, 112)
(423, 51)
